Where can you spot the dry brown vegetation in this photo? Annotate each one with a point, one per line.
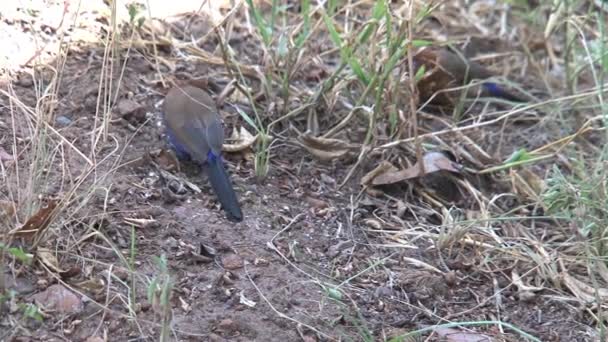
(498, 235)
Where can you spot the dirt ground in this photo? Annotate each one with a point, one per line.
(312, 260)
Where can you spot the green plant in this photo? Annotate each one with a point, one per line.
(31, 311)
(135, 14)
(132, 254)
(581, 197)
(18, 253)
(159, 295)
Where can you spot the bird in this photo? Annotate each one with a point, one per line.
(193, 128)
(447, 69)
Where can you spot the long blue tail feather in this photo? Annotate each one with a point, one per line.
(220, 182)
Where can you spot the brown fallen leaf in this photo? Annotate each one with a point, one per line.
(48, 258)
(167, 160)
(433, 162)
(316, 203)
(325, 148)
(240, 140)
(38, 222)
(232, 262)
(455, 335)
(92, 286)
(71, 272)
(382, 168)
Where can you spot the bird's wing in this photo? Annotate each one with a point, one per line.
(215, 136)
(192, 135)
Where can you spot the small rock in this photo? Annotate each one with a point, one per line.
(122, 273)
(335, 249)
(451, 278)
(145, 306)
(62, 121)
(60, 299)
(127, 106)
(90, 103)
(526, 296)
(232, 262)
(171, 243)
(383, 291)
(20, 285)
(177, 187)
(131, 111)
(316, 203)
(227, 326)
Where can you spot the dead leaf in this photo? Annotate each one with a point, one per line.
(325, 148)
(527, 183)
(455, 335)
(582, 290)
(374, 192)
(246, 301)
(207, 251)
(71, 273)
(316, 203)
(433, 162)
(38, 222)
(185, 306)
(92, 286)
(60, 299)
(316, 73)
(232, 262)
(373, 223)
(260, 262)
(602, 270)
(383, 167)
(47, 257)
(241, 140)
(5, 156)
(167, 160)
(155, 27)
(517, 281)
(139, 223)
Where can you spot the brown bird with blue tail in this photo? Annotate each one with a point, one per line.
(446, 69)
(194, 130)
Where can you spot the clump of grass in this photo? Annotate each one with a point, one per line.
(581, 198)
(369, 62)
(132, 271)
(159, 295)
